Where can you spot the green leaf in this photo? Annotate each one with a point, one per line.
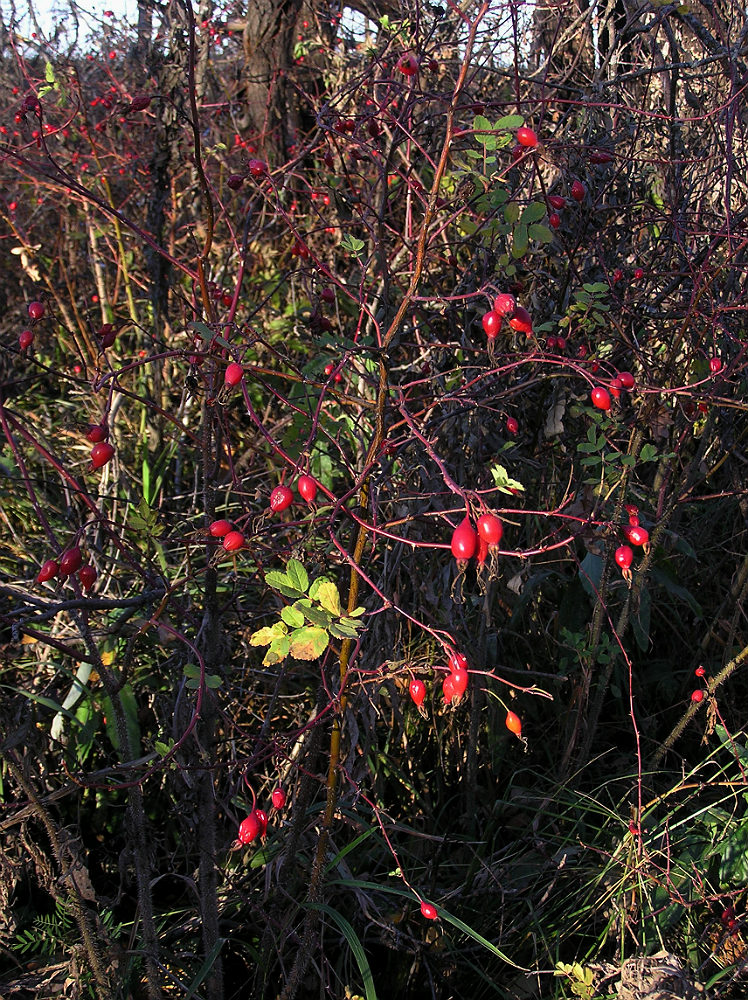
(503, 481)
(316, 615)
(162, 749)
(308, 643)
(481, 124)
(268, 634)
(468, 227)
(509, 122)
(648, 453)
(540, 233)
(352, 245)
(357, 612)
(534, 212)
(351, 623)
(519, 242)
(192, 673)
(511, 212)
(49, 72)
(292, 617)
(277, 651)
(340, 631)
(281, 583)
(297, 575)
(328, 596)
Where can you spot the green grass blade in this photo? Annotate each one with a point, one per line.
(444, 914)
(353, 943)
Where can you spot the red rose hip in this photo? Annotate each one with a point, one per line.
(281, 499)
(101, 453)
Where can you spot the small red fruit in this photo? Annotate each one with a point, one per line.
(697, 696)
(448, 688)
(417, 690)
(490, 528)
(457, 661)
(257, 168)
(521, 320)
(600, 156)
(459, 683)
(512, 425)
(262, 819)
(617, 275)
(513, 723)
(249, 828)
(482, 554)
(556, 201)
(615, 388)
(554, 220)
(327, 295)
(407, 64)
(624, 557)
(428, 911)
(464, 540)
(36, 310)
(101, 453)
(234, 374)
(527, 137)
(97, 433)
(70, 561)
(578, 191)
(627, 380)
(700, 672)
(491, 324)
(307, 488)
(234, 181)
(87, 575)
(281, 499)
(49, 570)
(504, 304)
(715, 364)
(279, 798)
(636, 535)
(638, 274)
(25, 339)
(233, 541)
(600, 398)
(220, 528)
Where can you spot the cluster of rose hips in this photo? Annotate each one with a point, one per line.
(454, 687)
(635, 535)
(26, 337)
(70, 562)
(729, 921)
(454, 684)
(256, 823)
(102, 451)
(256, 169)
(697, 696)
(281, 499)
(505, 308)
(468, 542)
(602, 398)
